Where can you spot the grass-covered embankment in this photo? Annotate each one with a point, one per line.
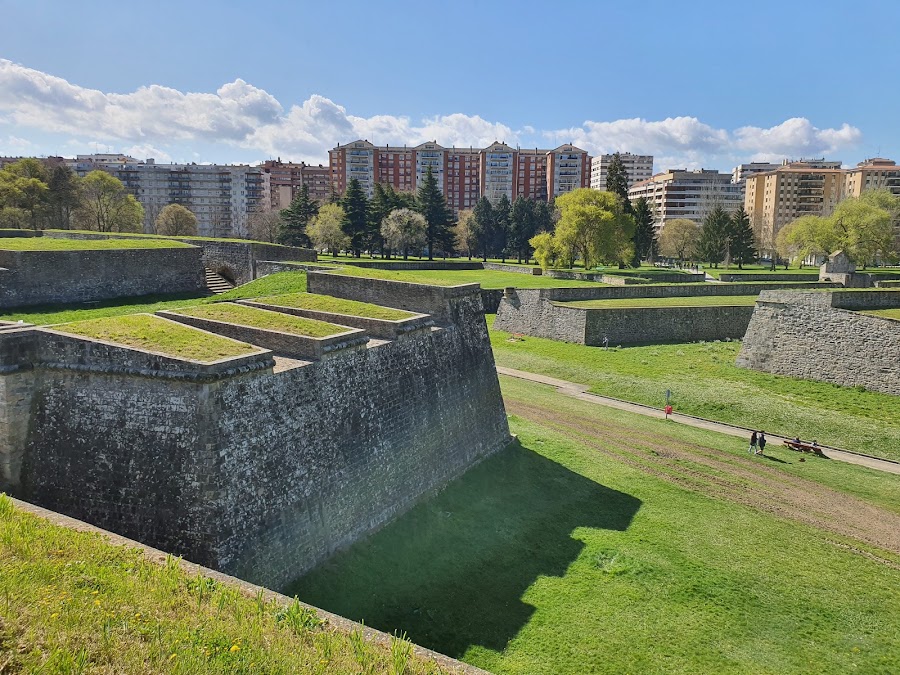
(155, 334)
(72, 603)
(489, 279)
(230, 312)
(885, 313)
(705, 382)
(686, 301)
(51, 244)
(327, 303)
(609, 542)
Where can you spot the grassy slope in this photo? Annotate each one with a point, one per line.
(48, 244)
(759, 269)
(327, 303)
(885, 313)
(261, 318)
(162, 236)
(282, 282)
(71, 603)
(155, 334)
(699, 301)
(487, 278)
(704, 381)
(554, 558)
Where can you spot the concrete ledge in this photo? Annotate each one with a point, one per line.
(380, 328)
(288, 344)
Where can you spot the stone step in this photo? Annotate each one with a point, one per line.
(216, 283)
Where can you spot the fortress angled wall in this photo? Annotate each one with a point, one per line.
(815, 336)
(258, 472)
(51, 277)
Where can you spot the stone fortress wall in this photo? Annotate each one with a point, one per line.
(258, 466)
(821, 336)
(50, 277)
(537, 312)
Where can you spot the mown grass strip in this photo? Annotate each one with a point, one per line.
(327, 303)
(696, 301)
(155, 334)
(52, 244)
(265, 319)
(489, 279)
(884, 313)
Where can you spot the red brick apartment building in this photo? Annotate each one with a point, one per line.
(286, 179)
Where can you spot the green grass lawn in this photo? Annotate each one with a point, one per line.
(487, 278)
(759, 269)
(262, 318)
(72, 603)
(50, 244)
(885, 313)
(704, 381)
(156, 334)
(699, 301)
(327, 303)
(273, 284)
(580, 554)
(162, 236)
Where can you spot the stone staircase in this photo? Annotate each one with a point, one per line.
(216, 283)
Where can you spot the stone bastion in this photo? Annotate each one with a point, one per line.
(260, 465)
(824, 336)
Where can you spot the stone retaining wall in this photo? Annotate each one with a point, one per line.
(517, 269)
(57, 277)
(784, 276)
(815, 336)
(412, 265)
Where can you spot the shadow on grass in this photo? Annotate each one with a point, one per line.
(452, 571)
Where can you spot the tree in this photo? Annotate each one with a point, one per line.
(326, 231)
(12, 217)
(546, 249)
(502, 212)
(545, 216)
(294, 219)
(617, 181)
(804, 237)
(63, 197)
(356, 216)
(483, 215)
(522, 227)
(741, 240)
(105, 205)
(466, 233)
(594, 225)
(679, 238)
(404, 229)
(267, 225)
(23, 185)
(433, 206)
(176, 220)
(712, 246)
(645, 243)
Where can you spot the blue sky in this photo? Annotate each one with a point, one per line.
(694, 83)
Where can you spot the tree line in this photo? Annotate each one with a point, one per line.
(46, 194)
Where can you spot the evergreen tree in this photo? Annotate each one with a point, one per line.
(543, 216)
(483, 215)
(617, 181)
(64, 199)
(502, 213)
(645, 245)
(381, 204)
(713, 243)
(522, 227)
(433, 206)
(295, 218)
(741, 240)
(356, 217)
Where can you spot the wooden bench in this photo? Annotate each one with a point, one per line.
(804, 447)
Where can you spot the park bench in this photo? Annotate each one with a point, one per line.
(804, 447)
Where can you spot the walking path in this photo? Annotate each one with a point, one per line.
(579, 391)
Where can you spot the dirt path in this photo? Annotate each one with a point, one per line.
(579, 391)
(745, 480)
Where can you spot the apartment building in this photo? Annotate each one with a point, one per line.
(463, 174)
(775, 198)
(741, 173)
(637, 168)
(872, 174)
(221, 196)
(286, 179)
(679, 193)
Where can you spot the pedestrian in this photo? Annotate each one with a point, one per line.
(762, 442)
(753, 440)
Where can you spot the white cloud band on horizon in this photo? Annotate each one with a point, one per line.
(166, 121)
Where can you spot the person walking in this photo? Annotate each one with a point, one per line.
(753, 441)
(762, 442)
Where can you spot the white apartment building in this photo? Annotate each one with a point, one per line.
(679, 193)
(221, 196)
(637, 167)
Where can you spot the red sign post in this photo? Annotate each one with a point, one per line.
(668, 410)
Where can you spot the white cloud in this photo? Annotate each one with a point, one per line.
(163, 122)
(14, 146)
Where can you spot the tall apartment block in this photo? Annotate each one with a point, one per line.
(463, 174)
(872, 174)
(637, 168)
(286, 179)
(679, 193)
(221, 196)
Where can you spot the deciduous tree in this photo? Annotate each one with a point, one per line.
(63, 197)
(404, 229)
(679, 238)
(106, 206)
(267, 225)
(326, 231)
(466, 233)
(594, 225)
(176, 220)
